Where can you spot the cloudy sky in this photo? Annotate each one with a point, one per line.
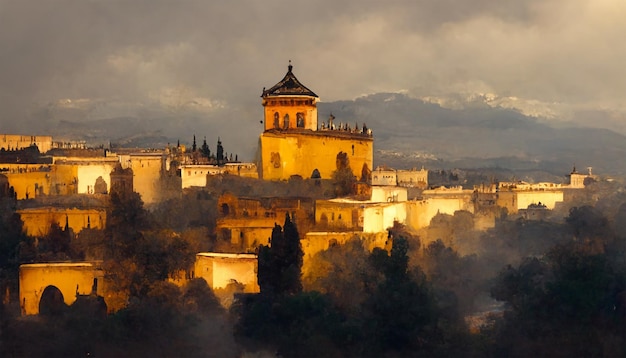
(563, 59)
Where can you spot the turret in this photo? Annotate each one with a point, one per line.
(289, 105)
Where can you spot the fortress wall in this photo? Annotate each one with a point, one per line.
(315, 242)
(88, 174)
(16, 141)
(221, 269)
(69, 278)
(37, 220)
(387, 194)
(36, 179)
(516, 200)
(420, 213)
(147, 176)
(338, 215)
(287, 154)
(379, 218)
(547, 198)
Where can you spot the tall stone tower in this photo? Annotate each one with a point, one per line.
(294, 144)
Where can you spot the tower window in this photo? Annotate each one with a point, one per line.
(276, 120)
(286, 121)
(300, 119)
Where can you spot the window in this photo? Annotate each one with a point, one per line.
(276, 120)
(286, 121)
(300, 120)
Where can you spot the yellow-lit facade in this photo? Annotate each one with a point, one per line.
(294, 145)
(285, 154)
(37, 221)
(70, 278)
(219, 270)
(32, 180)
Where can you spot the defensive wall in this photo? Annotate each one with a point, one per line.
(219, 270)
(288, 153)
(17, 141)
(315, 242)
(70, 278)
(37, 221)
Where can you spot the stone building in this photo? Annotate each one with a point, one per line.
(71, 279)
(219, 270)
(18, 141)
(37, 221)
(295, 144)
(247, 222)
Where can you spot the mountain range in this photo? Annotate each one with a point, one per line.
(408, 132)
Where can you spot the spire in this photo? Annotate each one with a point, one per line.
(290, 67)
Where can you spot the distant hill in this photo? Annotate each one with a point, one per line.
(409, 133)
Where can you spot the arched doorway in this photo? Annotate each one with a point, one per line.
(52, 302)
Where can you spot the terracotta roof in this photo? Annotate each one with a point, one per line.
(288, 86)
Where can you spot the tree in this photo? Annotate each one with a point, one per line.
(343, 178)
(401, 313)
(569, 303)
(206, 152)
(280, 264)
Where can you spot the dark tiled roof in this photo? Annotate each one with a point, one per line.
(288, 86)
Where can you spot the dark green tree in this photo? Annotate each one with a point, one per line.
(280, 264)
(206, 152)
(219, 156)
(568, 303)
(401, 314)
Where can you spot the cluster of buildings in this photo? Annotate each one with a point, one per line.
(292, 145)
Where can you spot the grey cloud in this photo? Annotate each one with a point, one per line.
(121, 52)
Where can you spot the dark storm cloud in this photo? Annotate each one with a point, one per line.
(120, 57)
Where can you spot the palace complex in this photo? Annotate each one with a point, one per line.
(69, 189)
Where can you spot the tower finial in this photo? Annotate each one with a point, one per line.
(290, 67)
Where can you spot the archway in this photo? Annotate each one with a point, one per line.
(52, 302)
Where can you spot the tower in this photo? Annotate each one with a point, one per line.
(290, 105)
(292, 143)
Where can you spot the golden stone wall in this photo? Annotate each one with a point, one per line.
(420, 213)
(16, 141)
(219, 270)
(32, 180)
(314, 242)
(146, 175)
(284, 154)
(69, 278)
(337, 215)
(248, 222)
(516, 200)
(37, 220)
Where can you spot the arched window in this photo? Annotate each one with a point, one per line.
(286, 121)
(276, 120)
(300, 120)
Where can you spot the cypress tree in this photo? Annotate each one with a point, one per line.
(280, 264)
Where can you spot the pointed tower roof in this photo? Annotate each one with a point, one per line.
(288, 86)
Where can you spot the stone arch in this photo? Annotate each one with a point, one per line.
(52, 302)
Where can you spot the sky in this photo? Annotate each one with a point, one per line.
(93, 59)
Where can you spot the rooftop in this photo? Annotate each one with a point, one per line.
(288, 86)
